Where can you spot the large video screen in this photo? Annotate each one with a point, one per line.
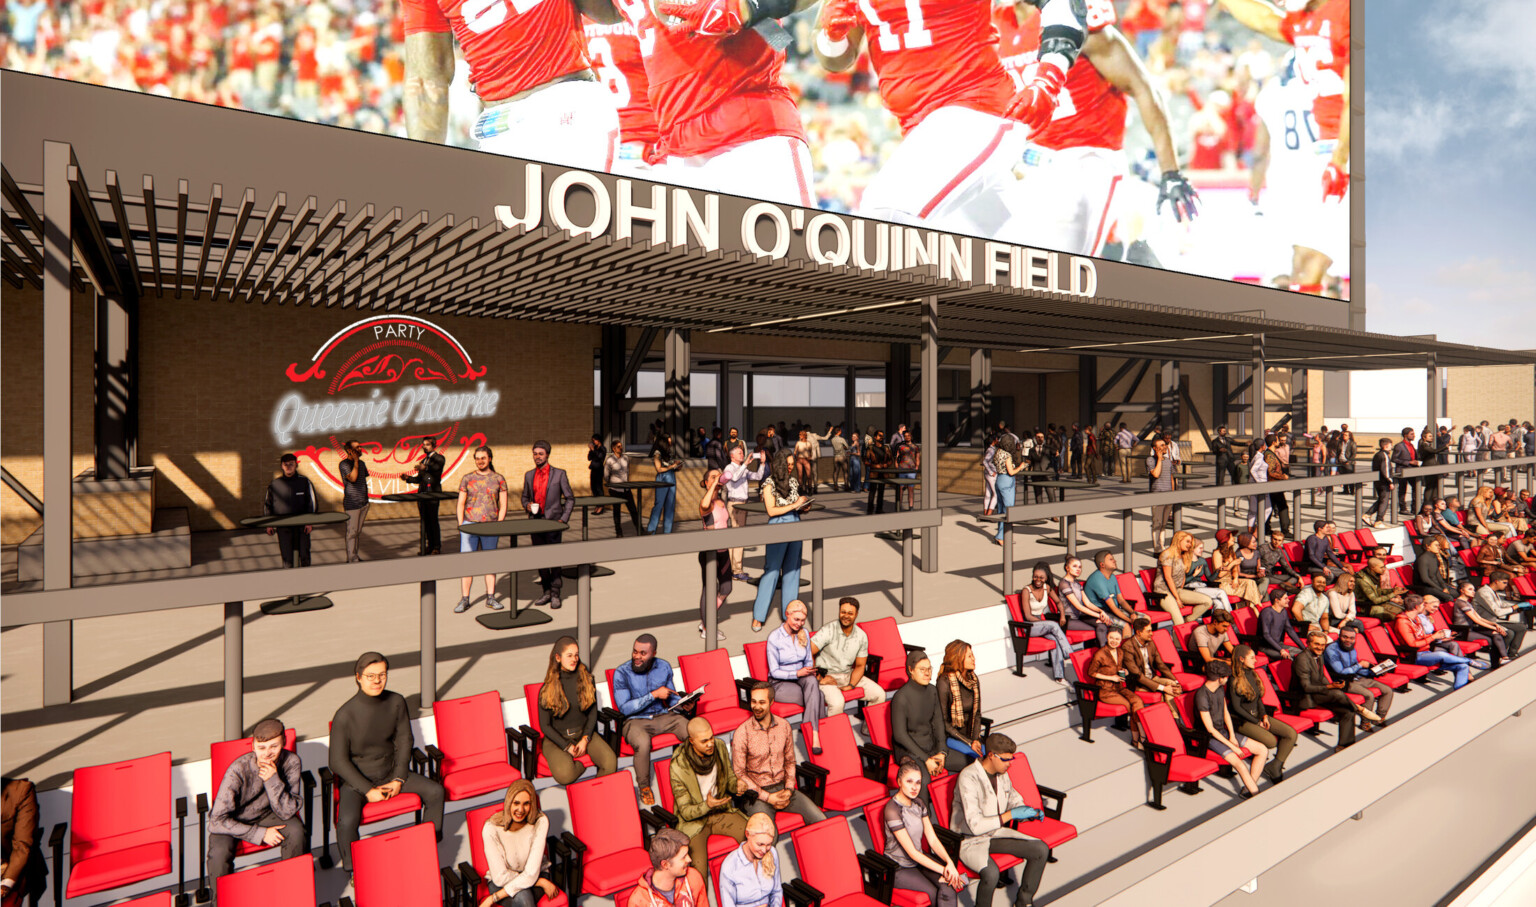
(1204, 136)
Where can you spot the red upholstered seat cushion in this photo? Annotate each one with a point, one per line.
(788, 822)
(1189, 768)
(118, 867)
(852, 793)
(1107, 710)
(398, 805)
(727, 719)
(609, 873)
(1053, 832)
(1079, 636)
(1317, 715)
(1412, 672)
(471, 782)
(853, 900)
(901, 897)
(163, 899)
(1295, 721)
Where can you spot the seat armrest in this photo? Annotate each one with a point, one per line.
(347, 902)
(181, 851)
(56, 846)
(560, 858)
(610, 727)
(472, 878)
(434, 761)
(951, 841)
(307, 782)
(653, 820)
(744, 692)
(879, 873)
(799, 893)
(911, 648)
(453, 886)
(531, 740)
(576, 868)
(1049, 794)
(876, 762)
(872, 664)
(812, 781)
(986, 727)
(203, 807)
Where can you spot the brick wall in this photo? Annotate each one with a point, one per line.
(1496, 393)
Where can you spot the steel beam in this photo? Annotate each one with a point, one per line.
(234, 670)
(981, 395)
(58, 437)
(929, 470)
(428, 589)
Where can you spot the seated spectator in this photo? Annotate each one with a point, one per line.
(515, 864)
(1104, 592)
(1313, 690)
(642, 691)
(1341, 602)
(1490, 556)
(1147, 669)
(568, 716)
(1245, 703)
(763, 757)
(1079, 612)
(371, 745)
(1417, 632)
(1520, 554)
(907, 826)
(1276, 564)
(841, 649)
(1216, 723)
(917, 724)
(703, 784)
(1317, 552)
(672, 879)
(1108, 669)
(1210, 640)
(960, 705)
(1201, 579)
(1278, 638)
(23, 872)
(1448, 519)
(1432, 574)
(1033, 609)
(1237, 568)
(1173, 565)
(1310, 607)
(1484, 515)
(1491, 605)
(258, 801)
(1424, 524)
(1039, 596)
(985, 802)
(749, 875)
(1343, 662)
(792, 669)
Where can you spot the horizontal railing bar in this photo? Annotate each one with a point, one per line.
(81, 602)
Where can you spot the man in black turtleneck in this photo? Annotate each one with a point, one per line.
(370, 753)
(290, 493)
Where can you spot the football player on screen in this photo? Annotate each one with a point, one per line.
(1072, 168)
(527, 63)
(617, 51)
(727, 121)
(963, 123)
(1288, 161)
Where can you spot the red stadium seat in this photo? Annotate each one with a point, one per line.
(616, 719)
(1049, 828)
(1347, 546)
(1272, 702)
(400, 867)
(719, 845)
(330, 794)
(722, 701)
(281, 882)
(607, 837)
(1089, 706)
(877, 723)
(1391, 680)
(162, 899)
(220, 755)
(1176, 660)
(1384, 642)
(1025, 645)
(834, 873)
(1074, 637)
(1187, 716)
(1468, 647)
(757, 669)
(941, 793)
(873, 819)
(853, 775)
(534, 763)
(119, 827)
(475, 748)
(885, 642)
(1374, 548)
(1133, 593)
(1164, 755)
(1015, 606)
(1284, 678)
(472, 875)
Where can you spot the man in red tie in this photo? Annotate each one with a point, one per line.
(547, 496)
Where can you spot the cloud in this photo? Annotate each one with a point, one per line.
(1479, 301)
(1489, 280)
(1407, 125)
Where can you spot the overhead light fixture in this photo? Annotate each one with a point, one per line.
(812, 317)
(1099, 346)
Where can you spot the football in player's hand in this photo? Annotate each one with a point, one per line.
(703, 18)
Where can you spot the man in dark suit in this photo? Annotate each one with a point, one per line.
(1405, 456)
(547, 495)
(429, 475)
(1313, 690)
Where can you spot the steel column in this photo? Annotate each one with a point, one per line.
(428, 643)
(234, 670)
(929, 470)
(817, 587)
(981, 395)
(115, 395)
(851, 403)
(584, 611)
(1008, 586)
(1256, 388)
(1168, 409)
(906, 573)
(1127, 543)
(1087, 391)
(711, 592)
(610, 359)
(58, 438)
(1432, 395)
(678, 347)
(1300, 412)
(1072, 536)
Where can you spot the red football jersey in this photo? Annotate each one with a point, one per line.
(1090, 112)
(1321, 38)
(713, 94)
(934, 53)
(510, 45)
(617, 56)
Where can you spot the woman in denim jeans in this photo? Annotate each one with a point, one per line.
(1009, 463)
(781, 562)
(665, 505)
(855, 464)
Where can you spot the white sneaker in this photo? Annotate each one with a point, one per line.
(703, 633)
(1380, 525)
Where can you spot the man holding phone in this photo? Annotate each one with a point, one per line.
(547, 495)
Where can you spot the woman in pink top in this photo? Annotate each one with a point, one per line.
(716, 515)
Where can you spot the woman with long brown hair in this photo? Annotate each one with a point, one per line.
(514, 849)
(1245, 699)
(568, 716)
(1173, 565)
(960, 705)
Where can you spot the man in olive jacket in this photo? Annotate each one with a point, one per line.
(702, 785)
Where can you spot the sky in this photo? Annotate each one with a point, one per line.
(1450, 169)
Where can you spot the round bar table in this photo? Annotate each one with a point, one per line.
(298, 603)
(1061, 487)
(415, 497)
(513, 618)
(596, 500)
(640, 486)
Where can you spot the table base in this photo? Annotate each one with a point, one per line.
(575, 572)
(1052, 540)
(297, 604)
(512, 620)
(753, 581)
